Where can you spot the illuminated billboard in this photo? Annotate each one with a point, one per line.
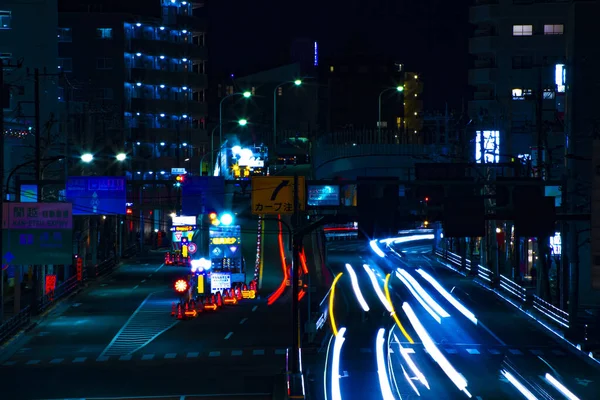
(487, 147)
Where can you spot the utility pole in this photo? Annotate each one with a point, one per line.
(296, 249)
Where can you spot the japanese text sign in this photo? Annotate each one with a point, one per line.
(37, 216)
(275, 194)
(219, 282)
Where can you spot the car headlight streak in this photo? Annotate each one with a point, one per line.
(376, 249)
(434, 352)
(462, 309)
(356, 288)
(518, 385)
(384, 381)
(419, 298)
(393, 312)
(560, 387)
(411, 364)
(380, 294)
(430, 301)
(336, 393)
(331, 302)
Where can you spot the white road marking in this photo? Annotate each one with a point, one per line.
(193, 354)
(236, 353)
(254, 308)
(79, 359)
(214, 354)
(170, 355)
(135, 287)
(143, 280)
(147, 357)
(258, 352)
(243, 320)
(228, 335)
(158, 269)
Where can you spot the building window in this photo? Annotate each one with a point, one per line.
(65, 64)
(104, 63)
(104, 33)
(331, 68)
(522, 30)
(5, 20)
(253, 91)
(279, 91)
(549, 94)
(522, 62)
(64, 35)
(556, 29)
(6, 57)
(521, 94)
(229, 90)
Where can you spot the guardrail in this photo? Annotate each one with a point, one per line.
(511, 291)
(20, 320)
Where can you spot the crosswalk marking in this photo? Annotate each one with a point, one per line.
(280, 351)
(102, 359)
(236, 353)
(79, 359)
(192, 354)
(57, 361)
(125, 358)
(147, 357)
(516, 352)
(214, 354)
(33, 362)
(169, 356)
(258, 352)
(473, 351)
(151, 319)
(494, 351)
(451, 351)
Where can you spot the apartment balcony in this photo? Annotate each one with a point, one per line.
(482, 76)
(191, 23)
(486, 42)
(483, 11)
(167, 49)
(169, 107)
(169, 78)
(193, 137)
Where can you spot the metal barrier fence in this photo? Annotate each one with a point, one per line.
(45, 302)
(512, 292)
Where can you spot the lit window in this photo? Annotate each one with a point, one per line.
(549, 94)
(104, 33)
(5, 20)
(517, 94)
(253, 91)
(522, 30)
(229, 90)
(64, 35)
(65, 64)
(556, 29)
(331, 69)
(104, 63)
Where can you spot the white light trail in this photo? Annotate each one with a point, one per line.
(560, 387)
(423, 293)
(380, 294)
(384, 382)
(518, 385)
(462, 309)
(336, 393)
(434, 352)
(405, 352)
(356, 288)
(376, 249)
(419, 298)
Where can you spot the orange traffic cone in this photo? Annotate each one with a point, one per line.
(238, 294)
(186, 307)
(213, 300)
(173, 310)
(245, 287)
(179, 312)
(219, 299)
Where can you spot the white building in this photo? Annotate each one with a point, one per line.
(28, 38)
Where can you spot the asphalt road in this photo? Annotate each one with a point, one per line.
(502, 339)
(117, 338)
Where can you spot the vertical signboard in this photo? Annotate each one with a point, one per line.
(37, 233)
(97, 195)
(225, 248)
(203, 194)
(595, 223)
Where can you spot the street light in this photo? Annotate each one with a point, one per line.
(226, 219)
(296, 82)
(243, 122)
(87, 157)
(399, 89)
(246, 95)
(121, 157)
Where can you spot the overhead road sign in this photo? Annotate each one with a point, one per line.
(275, 194)
(97, 195)
(178, 171)
(37, 216)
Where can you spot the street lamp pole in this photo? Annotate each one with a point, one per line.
(398, 89)
(246, 95)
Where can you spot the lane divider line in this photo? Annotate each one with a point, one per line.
(228, 335)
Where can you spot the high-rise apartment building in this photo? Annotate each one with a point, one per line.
(144, 79)
(518, 51)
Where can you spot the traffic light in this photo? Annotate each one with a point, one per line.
(128, 211)
(179, 179)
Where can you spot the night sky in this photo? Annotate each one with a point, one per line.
(428, 36)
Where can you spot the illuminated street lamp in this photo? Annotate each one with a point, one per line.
(398, 89)
(296, 82)
(243, 122)
(87, 157)
(226, 219)
(121, 157)
(246, 95)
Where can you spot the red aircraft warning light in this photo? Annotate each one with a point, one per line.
(181, 285)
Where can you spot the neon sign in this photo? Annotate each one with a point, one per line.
(219, 240)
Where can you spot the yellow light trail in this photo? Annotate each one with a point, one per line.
(393, 313)
(331, 298)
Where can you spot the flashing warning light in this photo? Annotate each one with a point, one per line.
(425, 223)
(426, 198)
(129, 211)
(181, 285)
(212, 216)
(179, 178)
